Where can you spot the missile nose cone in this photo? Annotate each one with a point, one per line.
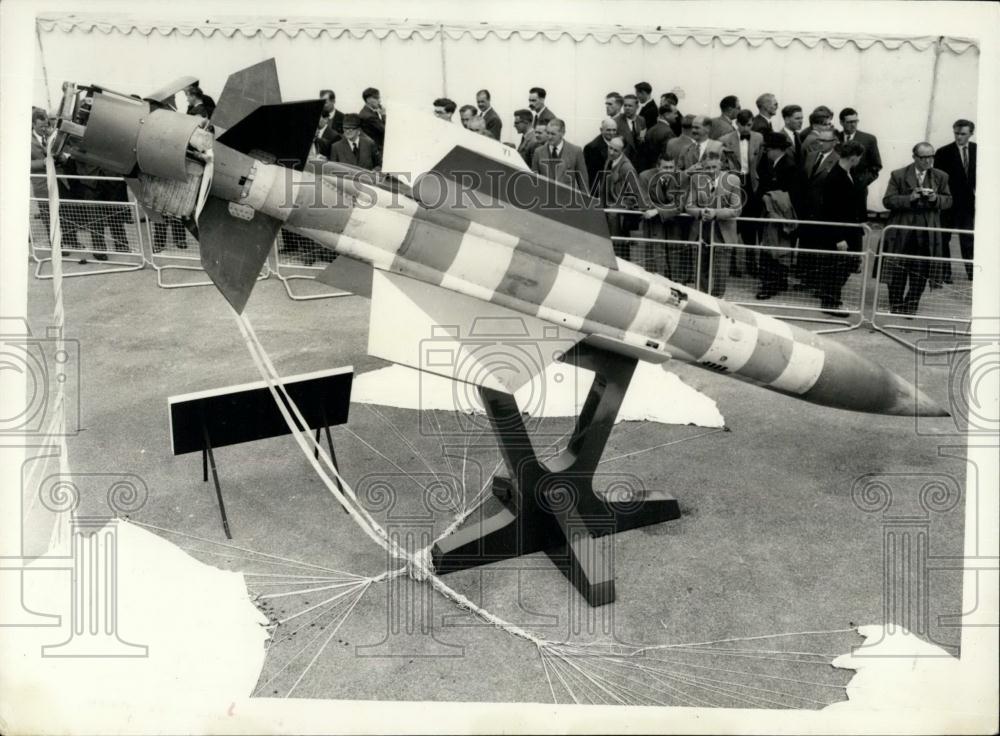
(911, 401)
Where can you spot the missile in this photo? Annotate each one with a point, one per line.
(472, 233)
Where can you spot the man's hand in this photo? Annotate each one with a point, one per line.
(649, 214)
(914, 195)
(707, 214)
(932, 196)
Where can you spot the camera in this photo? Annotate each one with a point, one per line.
(47, 364)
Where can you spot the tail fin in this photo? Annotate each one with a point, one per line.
(233, 249)
(279, 133)
(245, 91)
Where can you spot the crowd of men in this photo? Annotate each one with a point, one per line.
(742, 178)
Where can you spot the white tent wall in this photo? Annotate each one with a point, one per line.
(890, 87)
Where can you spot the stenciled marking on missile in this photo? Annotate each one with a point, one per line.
(733, 345)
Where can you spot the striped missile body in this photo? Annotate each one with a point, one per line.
(643, 313)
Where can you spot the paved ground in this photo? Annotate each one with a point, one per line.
(770, 541)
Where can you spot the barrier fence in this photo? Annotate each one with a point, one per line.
(922, 289)
(93, 227)
(300, 259)
(803, 279)
(786, 273)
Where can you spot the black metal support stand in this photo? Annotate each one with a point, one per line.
(552, 507)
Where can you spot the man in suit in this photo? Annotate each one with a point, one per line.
(478, 125)
(714, 197)
(334, 128)
(676, 146)
(726, 122)
(372, 116)
(198, 102)
(815, 169)
(620, 190)
(560, 160)
(648, 109)
(39, 186)
(844, 200)
(655, 143)
(867, 170)
(767, 106)
(916, 196)
(670, 99)
(744, 147)
(595, 154)
(662, 200)
(777, 176)
(792, 115)
(444, 108)
(632, 127)
(689, 159)
(818, 121)
(541, 137)
(528, 142)
(356, 148)
(958, 161)
(493, 122)
(823, 115)
(536, 103)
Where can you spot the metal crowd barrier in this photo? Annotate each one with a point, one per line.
(798, 276)
(86, 225)
(941, 301)
(298, 258)
(677, 258)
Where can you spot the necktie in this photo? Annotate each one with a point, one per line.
(744, 136)
(798, 142)
(816, 166)
(354, 149)
(552, 151)
(965, 158)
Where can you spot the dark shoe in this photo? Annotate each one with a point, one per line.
(100, 256)
(157, 248)
(65, 254)
(762, 294)
(180, 245)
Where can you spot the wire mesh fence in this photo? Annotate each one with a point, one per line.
(100, 234)
(913, 290)
(298, 260)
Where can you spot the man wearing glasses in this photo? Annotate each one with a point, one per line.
(916, 195)
(871, 162)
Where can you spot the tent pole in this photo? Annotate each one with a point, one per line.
(444, 66)
(45, 72)
(934, 84)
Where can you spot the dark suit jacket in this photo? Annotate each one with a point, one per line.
(689, 156)
(761, 124)
(39, 188)
(332, 133)
(655, 144)
(544, 117)
(871, 163)
(493, 122)
(963, 186)
(722, 126)
(844, 199)
(664, 192)
(781, 176)
(811, 202)
(372, 125)
(632, 140)
(595, 156)
(620, 186)
(369, 156)
(649, 112)
(568, 167)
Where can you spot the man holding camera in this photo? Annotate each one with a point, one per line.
(915, 197)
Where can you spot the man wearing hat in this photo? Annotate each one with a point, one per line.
(356, 148)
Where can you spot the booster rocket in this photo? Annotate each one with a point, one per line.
(476, 239)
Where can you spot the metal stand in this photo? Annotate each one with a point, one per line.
(208, 460)
(552, 507)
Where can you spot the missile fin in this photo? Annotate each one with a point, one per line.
(439, 331)
(348, 275)
(245, 91)
(279, 133)
(233, 249)
(167, 91)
